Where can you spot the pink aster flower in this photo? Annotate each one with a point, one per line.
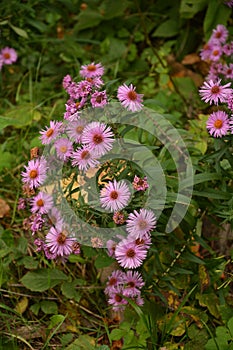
(8, 55)
(228, 49)
(55, 218)
(84, 88)
(129, 98)
(115, 196)
(144, 240)
(140, 184)
(59, 243)
(219, 34)
(213, 92)
(67, 80)
(218, 124)
(36, 222)
(111, 246)
(35, 173)
(64, 148)
(116, 298)
(51, 132)
(99, 99)
(229, 3)
(133, 282)
(96, 82)
(91, 70)
(98, 136)
(84, 158)
(227, 70)
(206, 50)
(230, 102)
(41, 203)
(140, 223)
(75, 130)
(129, 255)
(116, 278)
(215, 53)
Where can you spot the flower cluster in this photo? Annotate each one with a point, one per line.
(8, 55)
(122, 287)
(217, 52)
(80, 145)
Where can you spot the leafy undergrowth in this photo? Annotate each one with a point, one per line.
(188, 272)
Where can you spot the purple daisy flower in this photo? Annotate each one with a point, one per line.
(133, 282)
(51, 132)
(84, 158)
(116, 278)
(59, 243)
(64, 148)
(99, 99)
(84, 88)
(35, 173)
(206, 50)
(55, 218)
(140, 223)
(229, 3)
(8, 55)
(36, 223)
(98, 136)
(129, 255)
(213, 92)
(67, 80)
(91, 70)
(215, 53)
(219, 34)
(218, 124)
(96, 82)
(116, 298)
(111, 246)
(41, 203)
(115, 196)
(129, 98)
(144, 241)
(75, 130)
(227, 70)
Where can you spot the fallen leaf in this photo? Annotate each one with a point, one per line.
(4, 208)
(191, 59)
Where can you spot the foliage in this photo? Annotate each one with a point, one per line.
(188, 272)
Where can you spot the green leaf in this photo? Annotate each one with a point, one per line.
(19, 31)
(6, 160)
(88, 19)
(69, 291)
(103, 260)
(43, 279)
(35, 308)
(117, 334)
(49, 307)
(55, 320)
(84, 342)
(188, 8)
(19, 116)
(217, 13)
(167, 29)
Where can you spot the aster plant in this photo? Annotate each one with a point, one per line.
(217, 89)
(75, 148)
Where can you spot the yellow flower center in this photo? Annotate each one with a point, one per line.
(218, 124)
(33, 174)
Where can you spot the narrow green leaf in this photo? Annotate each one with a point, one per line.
(19, 31)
